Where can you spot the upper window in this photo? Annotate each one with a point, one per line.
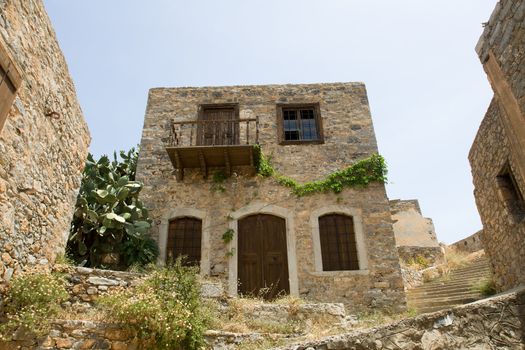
(338, 243)
(184, 239)
(510, 193)
(10, 81)
(299, 123)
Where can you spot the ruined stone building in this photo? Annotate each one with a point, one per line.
(197, 161)
(43, 139)
(497, 156)
(415, 234)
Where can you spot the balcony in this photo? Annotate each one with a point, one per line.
(212, 143)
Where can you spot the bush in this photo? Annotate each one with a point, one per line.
(165, 311)
(419, 262)
(32, 299)
(486, 287)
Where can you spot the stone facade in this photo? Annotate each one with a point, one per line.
(497, 156)
(415, 234)
(43, 144)
(470, 244)
(348, 137)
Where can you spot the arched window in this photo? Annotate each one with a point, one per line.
(184, 239)
(338, 243)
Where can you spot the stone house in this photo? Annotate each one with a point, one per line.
(197, 160)
(43, 137)
(415, 235)
(497, 156)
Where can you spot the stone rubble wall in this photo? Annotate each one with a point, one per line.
(504, 35)
(496, 323)
(74, 334)
(84, 284)
(500, 139)
(433, 255)
(410, 227)
(470, 244)
(349, 136)
(41, 158)
(502, 238)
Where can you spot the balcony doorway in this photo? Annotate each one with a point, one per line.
(218, 125)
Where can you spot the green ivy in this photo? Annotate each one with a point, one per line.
(227, 236)
(263, 165)
(360, 174)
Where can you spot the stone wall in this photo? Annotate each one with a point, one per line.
(349, 136)
(433, 255)
(499, 146)
(470, 244)
(502, 237)
(43, 144)
(410, 227)
(496, 323)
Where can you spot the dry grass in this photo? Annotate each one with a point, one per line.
(76, 312)
(378, 318)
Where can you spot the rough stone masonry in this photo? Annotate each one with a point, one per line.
(348, 137)
(497, 156)
(43, 144)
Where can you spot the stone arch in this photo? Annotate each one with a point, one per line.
(205, 240)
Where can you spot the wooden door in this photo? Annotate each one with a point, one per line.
(262, 256)
(218, 126)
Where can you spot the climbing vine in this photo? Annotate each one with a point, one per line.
(360, 174)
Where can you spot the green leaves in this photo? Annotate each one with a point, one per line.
(108, 211)
(360, 174)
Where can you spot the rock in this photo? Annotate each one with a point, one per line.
(64, 343)
(212, 290)
(102, 281)
(47, 342)
(8, 274)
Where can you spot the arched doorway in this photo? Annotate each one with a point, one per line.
(262, 257)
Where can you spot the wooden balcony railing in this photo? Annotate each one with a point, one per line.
(214, 132)
(212, 143)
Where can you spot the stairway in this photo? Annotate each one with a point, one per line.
(452, 290)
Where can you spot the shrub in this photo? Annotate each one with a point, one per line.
(486, 287)
(419, 262)
(32, 299)
(165, 311)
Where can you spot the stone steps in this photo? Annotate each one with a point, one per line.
(456, 288)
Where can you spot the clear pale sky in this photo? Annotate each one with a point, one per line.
(427, 89)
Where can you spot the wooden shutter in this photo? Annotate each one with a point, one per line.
(219, 125)
(184, 239)
(338, 245)
(10, 81)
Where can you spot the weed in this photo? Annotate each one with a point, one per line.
(164, 311)
(33, 298)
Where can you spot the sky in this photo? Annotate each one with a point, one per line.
(426, 86)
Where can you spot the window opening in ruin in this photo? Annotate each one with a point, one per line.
(299, 124)
(10, 81)
(338, 242)
(184, 239)
(510, 193)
